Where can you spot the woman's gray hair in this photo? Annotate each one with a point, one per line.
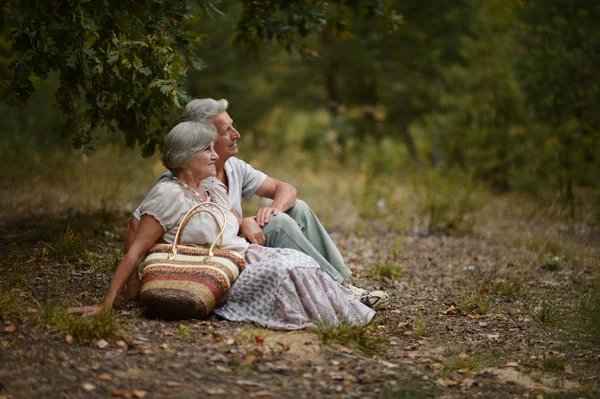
(201, 110)
(184, 141)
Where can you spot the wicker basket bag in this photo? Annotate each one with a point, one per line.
(180, 281)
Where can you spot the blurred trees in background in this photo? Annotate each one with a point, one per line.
(505, 91)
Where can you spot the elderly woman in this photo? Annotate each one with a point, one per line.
(279, 288)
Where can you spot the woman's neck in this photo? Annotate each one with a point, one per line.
(187, 178)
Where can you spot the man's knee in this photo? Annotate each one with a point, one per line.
(281, 221)
(301, 212)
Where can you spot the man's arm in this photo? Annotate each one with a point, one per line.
(283, 194)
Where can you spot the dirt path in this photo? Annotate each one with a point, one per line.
(474, 316)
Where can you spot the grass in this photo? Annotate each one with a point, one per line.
(470, 302)
(509, 289)
(81, 328)
(554, 363)
(420, 327)
(546, 315)
(468, 364)
(69, 247)
(10, 304)
(385, 271)
(446, 202)
(366, 338)
(14, 272)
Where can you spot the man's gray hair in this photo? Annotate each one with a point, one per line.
(184, 141)
(201, 110)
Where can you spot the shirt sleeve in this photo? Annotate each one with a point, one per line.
(162, 178)
(164, 204)
(251, 178)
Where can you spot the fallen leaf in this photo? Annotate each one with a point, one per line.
(174, 384)
(167, 333)
(469, 316)
(102, 344)
(121, 393)
(467, 383)
(69, 339)
(138, 393)
(224, 369)
(451, 310)
(95, 366)
(88, 387)
(175, 365)
(121, 343)
(7, 322)
(209, 391)
(249, 360)
(446, 382)
(258, 340)
(105, 377)
(463, 355)
(494, 337)
(336, 362)
(164, 346)
(259, 394)
(568, 369)
(512, 364)
(11, 328)
(230, 341)
(32, 310)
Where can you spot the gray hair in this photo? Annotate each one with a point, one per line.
(201, 110)
(184, 141)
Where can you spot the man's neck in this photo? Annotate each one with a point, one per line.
(221, 175)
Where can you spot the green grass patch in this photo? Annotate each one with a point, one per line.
(366, 338)
(10, 304)
(385, 271)
(81, 328)
(546, 314)
(470, 302)
(469, 364)
(68, 247)
(420, 325)
(554, 363)
(509, 289)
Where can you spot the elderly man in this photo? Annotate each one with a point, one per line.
(286, 223)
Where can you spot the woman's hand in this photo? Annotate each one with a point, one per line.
(93, 310)
(252, 232)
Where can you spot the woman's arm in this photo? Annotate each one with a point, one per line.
(148, 233)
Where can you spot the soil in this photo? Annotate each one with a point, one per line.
(440, 342)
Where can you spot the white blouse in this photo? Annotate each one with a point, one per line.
(168, 202)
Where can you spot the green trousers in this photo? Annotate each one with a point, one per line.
(300, 229)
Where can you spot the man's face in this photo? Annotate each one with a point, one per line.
(226, 145)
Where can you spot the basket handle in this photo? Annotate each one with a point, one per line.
(186, 218)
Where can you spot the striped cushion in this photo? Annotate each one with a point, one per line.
(186, 286)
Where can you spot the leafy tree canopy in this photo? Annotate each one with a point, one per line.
(122, 63)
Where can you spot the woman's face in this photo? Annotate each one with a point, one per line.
(203, 163)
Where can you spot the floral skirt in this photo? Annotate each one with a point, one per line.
(286, 289)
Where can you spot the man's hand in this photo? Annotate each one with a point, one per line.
(252, 232)
(264, 214)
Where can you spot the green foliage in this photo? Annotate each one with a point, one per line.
(122, 64)
(509, 289)
(366, 338)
